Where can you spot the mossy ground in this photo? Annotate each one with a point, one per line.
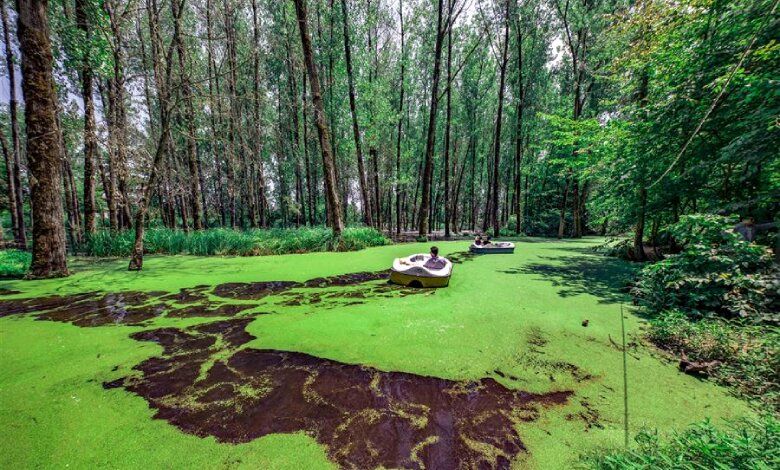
(516, 318)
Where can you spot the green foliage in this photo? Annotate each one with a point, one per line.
(716, 273)
(232, 242)
(14, 263)
(748, 354)
(744, 444)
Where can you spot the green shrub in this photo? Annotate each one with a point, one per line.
(225, 242)
(744, 444)
(748, 354)
(14, 263)
(716, 273)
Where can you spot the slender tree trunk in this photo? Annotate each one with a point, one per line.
(562, 215)
(364, 198)
(447, 134)
(425, 202)
(499, 118)
(163, 141)
(20, 235)
(48, 257)
(215, 111)
(90, 139)
(639, 231)
(331, 193)
(192, 146)
(10, 182)
(309, 183)
(400, 122)
(230, 157)
(256, 103)
(519, 131)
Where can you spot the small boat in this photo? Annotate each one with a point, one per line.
(493, 247)
(411, 271)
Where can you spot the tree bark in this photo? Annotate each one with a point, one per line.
(362, 180)
(192, 148)
(519, 131)
(400, 123)
(20, 235)
(497, 139)
(331, 192)
(90, 138)
(425, 200)
(447, 135)
(256, 103)
(48, 258)
(163, 141)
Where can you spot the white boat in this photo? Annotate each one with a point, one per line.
(493, 247)
(419, 271)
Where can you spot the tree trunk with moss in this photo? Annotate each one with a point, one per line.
(43, 147)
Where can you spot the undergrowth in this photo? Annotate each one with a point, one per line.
(14, 263)
(747, 355)
(220, 241)
(744, 444)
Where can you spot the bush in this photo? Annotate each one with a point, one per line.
(232, 242)
(617, 247)
(716, 273)
(748, 354)
(745, 444)
(14, 263)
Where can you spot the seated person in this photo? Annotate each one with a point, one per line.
(486, 241)
(435, 262)
(478, 240)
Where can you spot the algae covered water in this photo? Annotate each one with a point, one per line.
(315, 360)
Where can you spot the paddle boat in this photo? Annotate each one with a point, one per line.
(413, 272)
(493, 248)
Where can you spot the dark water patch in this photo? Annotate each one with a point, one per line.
(188, 295)
(136, 308)
(128, 308)
(38, 304)
(335, 298)
(366, 418)
(88, 309)
(209, 309)
(349, 279)
(125, 308)
(8, 292)
(253, 290)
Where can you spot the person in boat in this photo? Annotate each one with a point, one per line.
(478, 240)
(435, 261)
(486, 240)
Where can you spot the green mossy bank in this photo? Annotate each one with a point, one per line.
(516, 318)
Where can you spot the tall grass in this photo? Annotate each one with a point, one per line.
(14, 263)
(746, 444)
(232, 242)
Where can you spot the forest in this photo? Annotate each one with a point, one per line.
(553, 118)
(629, 148)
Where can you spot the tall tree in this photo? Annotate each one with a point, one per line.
(400, 123)
(447, 132)
(425, 201)
(331, 191)
(90, 138)
(192, 146)
(164, 70)
(43, 146)
(499, 119)
(362, 180)
(14, 171)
